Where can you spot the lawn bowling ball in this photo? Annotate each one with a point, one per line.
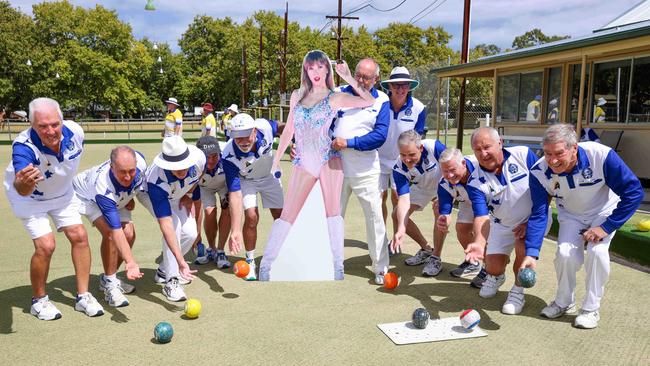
(163, 332)
(527, 277)
(420, 318)
(643, 225)
(390, 280)
(469, 318)
(192, 308)
(241, 268)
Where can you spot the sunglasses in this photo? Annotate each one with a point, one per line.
(399, 85)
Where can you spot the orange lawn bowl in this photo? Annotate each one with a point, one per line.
(390, 280)
(241, 268)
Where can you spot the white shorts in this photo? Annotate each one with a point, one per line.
(209, 197)
(422, 197)
(269, 188)
(92, 212)
(33, 214)
(465, 213)
(502, 240)
(386, 182)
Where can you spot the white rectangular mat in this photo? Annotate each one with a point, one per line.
(437, 330)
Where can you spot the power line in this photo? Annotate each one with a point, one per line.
(422, 11)
(327, 23)
(429, 12)
(368, 4)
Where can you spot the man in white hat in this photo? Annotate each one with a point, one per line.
(106, 195)
(407, 113)
(247, 160)
(599, 112)
(227, 117)
(172, 181)
(358, 133)
(173, 119)
(38, 183)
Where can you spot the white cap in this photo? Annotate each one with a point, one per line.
(241, 125)
(601, 101)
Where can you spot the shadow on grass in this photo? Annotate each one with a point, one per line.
(455, 294)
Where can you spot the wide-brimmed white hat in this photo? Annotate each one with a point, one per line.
(400, 74)
(176, 154)
(241, 125)
(173, 101)
(234, 108)
(601, 101)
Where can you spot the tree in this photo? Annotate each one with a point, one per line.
(534, 37)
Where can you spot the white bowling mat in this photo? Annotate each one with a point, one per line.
(437, 330)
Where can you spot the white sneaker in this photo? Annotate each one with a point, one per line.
(44, 309)
(554, 310)
(514, 303)
(89, 305)
(160, 277)
(115, 297)
(432, 267)
(125, 287)
(251, 276)
(222, 261)
(491, 285)
(419, 258)
(173, 290)
(587, 319)
(206, 258)
(379, 278)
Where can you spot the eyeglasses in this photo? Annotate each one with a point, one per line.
(399, 85)
(364, 77)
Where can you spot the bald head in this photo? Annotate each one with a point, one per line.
(486, 144)
(123, 165)
(367, 73)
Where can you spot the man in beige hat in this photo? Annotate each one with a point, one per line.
(173, 119)
(225, 121)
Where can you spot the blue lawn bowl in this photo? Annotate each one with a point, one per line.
(527, 277)
(420, 318)
(163, 332)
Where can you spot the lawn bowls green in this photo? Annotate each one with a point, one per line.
(420, 318)
(163, 332)
(527, 277)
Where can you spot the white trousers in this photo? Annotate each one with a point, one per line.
(366, 188)
(569, 258)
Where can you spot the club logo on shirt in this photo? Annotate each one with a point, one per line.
(192, 173)
(425, 161)
(408, 111)
(587, 173)
(557, 186)
(512, 168)
(70, 145)
(263, 143)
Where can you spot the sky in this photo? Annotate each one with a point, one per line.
(492, 21)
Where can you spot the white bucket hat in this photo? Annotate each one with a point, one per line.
(176, 154)
(601, 101)
(241, 125)
(400, 74)
(234, 108)
(173, 101)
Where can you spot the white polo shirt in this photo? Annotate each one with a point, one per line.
(448, 193)
(356, 125)
(425, 174)
(506, 195)
(58, 169)
(99, 185)
(253, 164)
(412, 116)
(165, 189)
(600, 185)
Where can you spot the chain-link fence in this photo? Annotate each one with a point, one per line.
(441, 97)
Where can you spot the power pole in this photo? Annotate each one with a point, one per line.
(338, 38)
(261, 69)
(463, 59)
(244, 77)
(283, 55)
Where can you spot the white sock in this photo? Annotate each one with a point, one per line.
(516, 288)
(220, 251)
(111, 278)
(250, 254)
